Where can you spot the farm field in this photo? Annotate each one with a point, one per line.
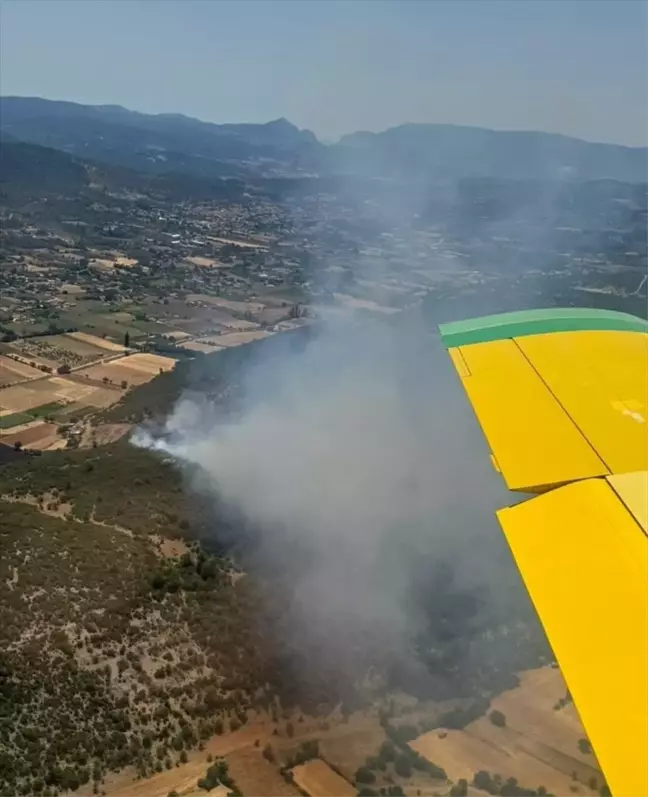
(206, 262)
(244, 244)
(36, 436)
(254, 775)
(73, 349)
(12, 371)
(349, 748)
(90, 317)
(227, 304)
(95, 340)
(538, 745)
(239, 338)
(317, 779)
(194, 345)
(9, 420)
(29, 395)
(134, 369)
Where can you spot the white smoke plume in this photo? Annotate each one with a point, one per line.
(359, 460)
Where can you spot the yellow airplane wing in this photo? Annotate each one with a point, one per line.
(561, 396)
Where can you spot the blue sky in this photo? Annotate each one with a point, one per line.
(570, 66)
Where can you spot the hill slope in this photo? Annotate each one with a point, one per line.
(154, 143)
(451, 152)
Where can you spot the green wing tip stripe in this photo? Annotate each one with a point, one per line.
(536, 322)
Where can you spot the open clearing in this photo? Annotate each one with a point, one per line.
(317, 778)
(12, 371)
(538, 745)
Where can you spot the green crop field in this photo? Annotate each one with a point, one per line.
(45, 409)
(7, 421)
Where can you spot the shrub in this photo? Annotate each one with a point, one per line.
(403, 766)
(497, 718)
(365, 775)
(584, 746)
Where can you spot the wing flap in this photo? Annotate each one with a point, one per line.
(584, 561)
(632, 489)
(534, 441)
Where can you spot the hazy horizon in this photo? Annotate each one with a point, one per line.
(572, 68)
(323, 140)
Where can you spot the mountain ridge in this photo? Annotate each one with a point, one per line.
(123, 137)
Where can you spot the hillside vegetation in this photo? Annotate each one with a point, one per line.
(111, 653)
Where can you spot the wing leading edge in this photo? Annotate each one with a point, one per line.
(561, 397)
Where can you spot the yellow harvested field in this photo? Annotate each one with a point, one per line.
(316, 778)
(20, 398)
(254, 775)
(241, 338)
(205, 348)
(12, 371)
(244, 244)
(352, 743)
(72, 344)
(57, 445)
(149, 363)
(236, 307)
(538, 745)
(207, 262)
(134, 369)
(102, 263)
(235, 324)
(185, 777)
(94, 340)
(72, 290)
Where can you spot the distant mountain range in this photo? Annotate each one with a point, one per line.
(174, 143)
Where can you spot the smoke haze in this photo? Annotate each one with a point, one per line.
(360, 464)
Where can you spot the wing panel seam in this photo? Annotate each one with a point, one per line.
(564, 409)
